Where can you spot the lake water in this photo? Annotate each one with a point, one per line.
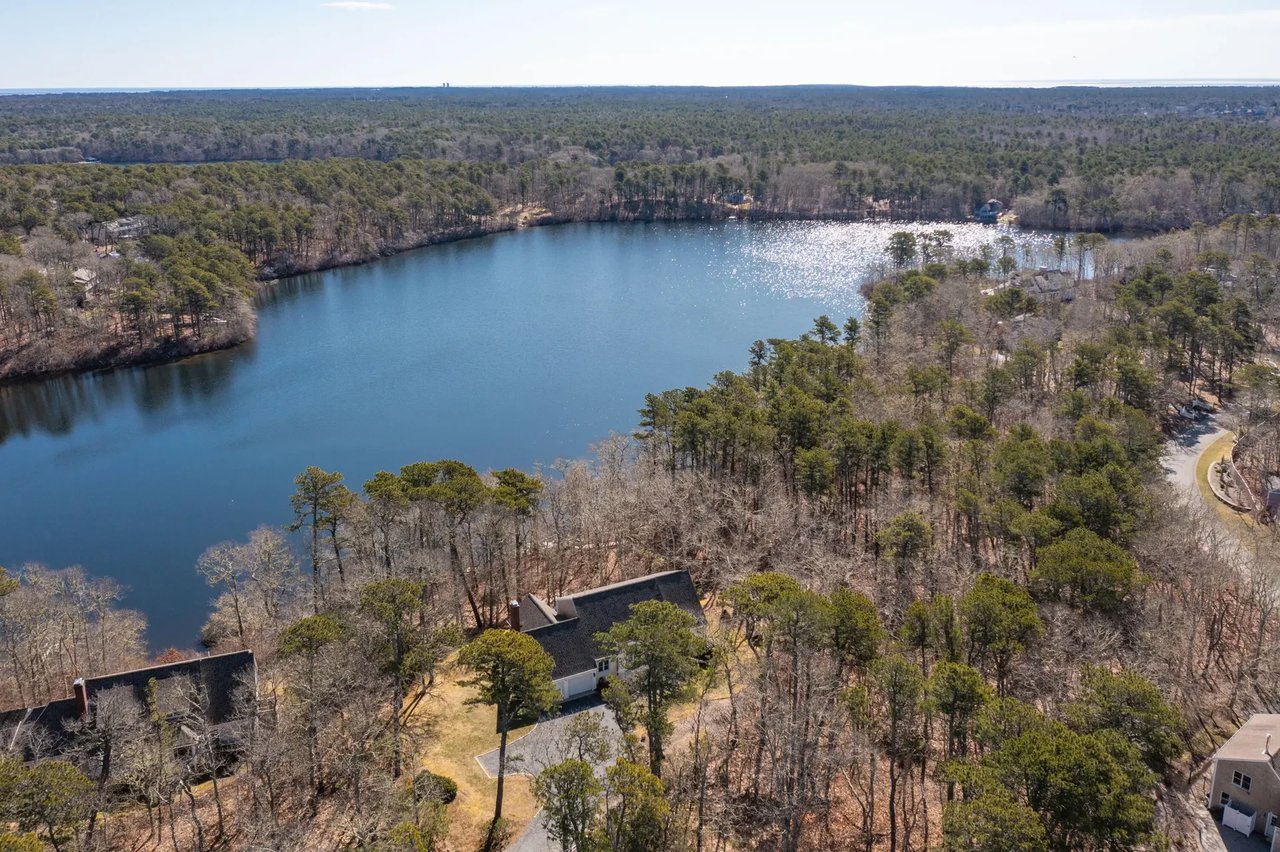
(512, 350)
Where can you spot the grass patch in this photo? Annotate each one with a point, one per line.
(463, 731)
(1235, 521)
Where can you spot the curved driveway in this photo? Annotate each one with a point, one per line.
(1183, 452)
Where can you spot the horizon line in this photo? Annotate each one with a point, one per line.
(1098, 83)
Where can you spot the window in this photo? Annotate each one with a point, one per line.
(1244, 782)
(1226, 797)
(602, 666)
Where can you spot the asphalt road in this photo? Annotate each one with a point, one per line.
(1183, 452)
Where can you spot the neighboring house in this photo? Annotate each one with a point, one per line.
(989, 213)
(567, 630)
(1246, 779)
(85, 280)
(1044, 285)
(46, 731)
(1271, 494)
(128, 228)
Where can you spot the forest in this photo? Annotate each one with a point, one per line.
(251, 186)
(952, 600)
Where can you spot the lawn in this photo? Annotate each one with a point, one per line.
(463, 731)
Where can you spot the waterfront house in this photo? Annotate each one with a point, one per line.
(1045, 285)
(213, 683)
(567, 630)
(1245, 782)
(989, 213)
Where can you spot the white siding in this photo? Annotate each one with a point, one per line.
(577, 685)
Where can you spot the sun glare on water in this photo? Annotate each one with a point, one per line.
(829, 262)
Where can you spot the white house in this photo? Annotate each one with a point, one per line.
(1245, 784)
(567, 630)
(85, 280)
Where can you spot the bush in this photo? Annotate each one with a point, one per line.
(430, 787)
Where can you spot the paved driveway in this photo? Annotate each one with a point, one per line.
(540, 748)
(1233, 841)
(1184, 451)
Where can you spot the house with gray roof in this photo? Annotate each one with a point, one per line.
(567, 629)
(1045, 285)
(213, 682)
(1245, 784)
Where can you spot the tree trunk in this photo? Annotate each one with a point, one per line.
(397, 748)
(316, 595)
(217, 802)
(502, 773)
(893, 805)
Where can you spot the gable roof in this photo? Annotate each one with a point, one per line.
(1250, 742)
(571, 641)
(1043, 283)
(535, 612)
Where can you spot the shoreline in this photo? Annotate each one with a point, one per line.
(532, 216)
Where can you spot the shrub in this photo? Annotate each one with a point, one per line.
(430, 787)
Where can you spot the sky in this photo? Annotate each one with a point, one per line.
(319, 43)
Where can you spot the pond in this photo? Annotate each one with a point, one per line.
(512, 350)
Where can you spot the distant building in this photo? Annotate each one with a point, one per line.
(86, 280)
(128, 228)
(1045, 285)
(47, 731)
(989, 213)
(567, 630)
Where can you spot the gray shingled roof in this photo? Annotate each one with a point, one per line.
(39, 731)
(571, 642)
(218, 676)
(46, 726)
(534, 612)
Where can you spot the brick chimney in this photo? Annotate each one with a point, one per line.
(513, 615)
(82, 697)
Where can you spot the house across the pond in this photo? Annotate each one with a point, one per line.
(567, 630)
(1245, 785)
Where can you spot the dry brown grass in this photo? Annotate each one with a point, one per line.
(1238, 523)
(464, 731)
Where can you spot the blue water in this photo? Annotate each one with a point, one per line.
(512, 350)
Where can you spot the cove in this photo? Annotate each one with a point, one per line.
(512, 350)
